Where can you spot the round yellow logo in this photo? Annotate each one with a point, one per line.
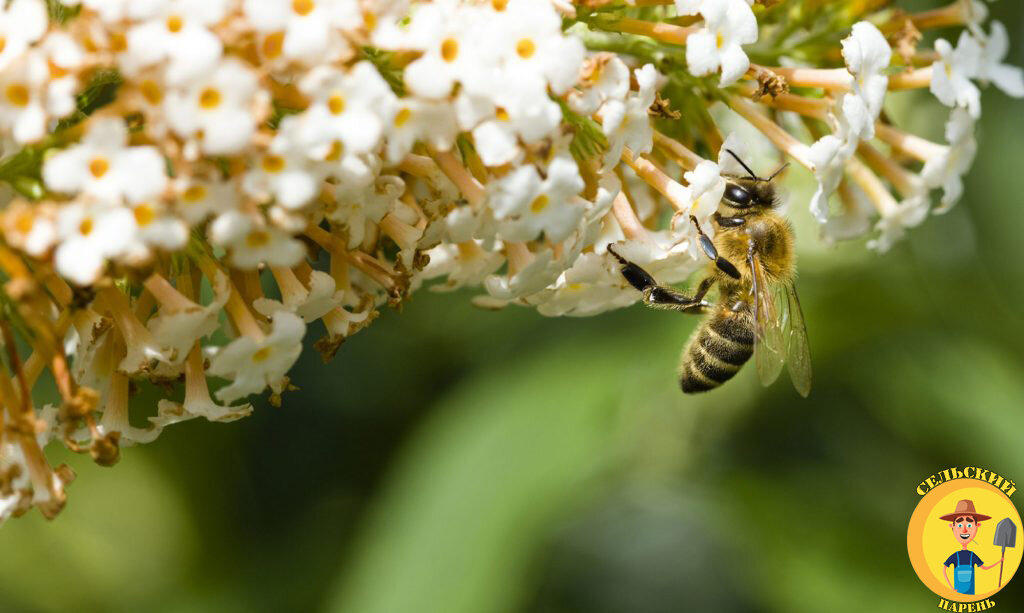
(962, 538)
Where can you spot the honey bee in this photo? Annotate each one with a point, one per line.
(758, 311)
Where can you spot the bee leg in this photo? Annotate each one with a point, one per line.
(729, 222)
(637, 277)
(709, 249)
(660, 296)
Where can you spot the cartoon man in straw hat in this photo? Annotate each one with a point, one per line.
(965, 523)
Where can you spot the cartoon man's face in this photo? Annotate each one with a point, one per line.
(964, 529)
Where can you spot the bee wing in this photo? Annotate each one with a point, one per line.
(769, 340)
(798, 355)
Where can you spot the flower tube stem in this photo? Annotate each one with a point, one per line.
(677, 151)
(876, 191)
(782, 139)
(243, 319)
(953, 14)
(471, 189)
(662, 32)
(919, 148)
(905, 182)
(166, 294)
(623, 212)
(519, 257)
(675, 192)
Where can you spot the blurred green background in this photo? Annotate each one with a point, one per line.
(463, 461)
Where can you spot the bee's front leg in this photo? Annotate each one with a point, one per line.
(661, 296)
(709, 249)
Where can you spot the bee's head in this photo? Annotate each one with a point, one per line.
(750, 193)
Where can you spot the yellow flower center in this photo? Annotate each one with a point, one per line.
(402, 117)
(499, 5)
(540, 203)
(3, 44)
(501, 114)
(209, 98)
(118, 42)
(261, 355)
(337, 148)
(144, 215)
(17, 95)
(23, 222)
(719, 40)
(85, 227)
(273, 45)
(194, 194)
(449, 49)
(257, 238)
(525, 48)
(336, 104)
(369, 21)
(174, 24)
(151, 91)
(99, 167)
(272, 163)
(303, 7)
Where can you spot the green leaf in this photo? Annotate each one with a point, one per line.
(588, 140)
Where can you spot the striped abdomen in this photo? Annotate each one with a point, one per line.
(723, 343)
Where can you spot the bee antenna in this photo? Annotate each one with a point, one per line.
(776, 173)
(745, 167)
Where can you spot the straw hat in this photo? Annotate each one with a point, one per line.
(963, 509)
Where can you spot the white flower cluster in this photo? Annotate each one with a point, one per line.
(195, 184)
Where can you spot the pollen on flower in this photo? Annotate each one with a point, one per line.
(303, 7)
(449, 49)
(17, 94)
(151, 91)
(144, 214)
(194, 193)
(402, 117)
(336, 104)
(85, 226)
(98, 167)
(209, 98)
(257, 238)
(174, 24)
(272, 163)
(540, 203)
(273, 45)
(525, 48)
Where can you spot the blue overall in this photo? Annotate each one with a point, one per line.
(963, 574)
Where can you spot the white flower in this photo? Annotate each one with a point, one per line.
(217, 108)
(22, 22)
(29, 228)
(253, 364)
(525, 117)
(867, 55)
(103, 166)
(526, 45)
(946, 170)
(345, 107)
(542, 270)
(355, 208)
(198, 199)
(626, 124)
(527, 205)
(308, 27)
(953, 71)
(250, 244)
(284, 175)
(463, 264)
(448, 34)
(179, 323)
(593, 285)
(605, 77)
(892, 227)
(414, 120)
(89, 234)
(154, 228)
(176, 32)
(728, 24)
(991, 68)
(310, 303)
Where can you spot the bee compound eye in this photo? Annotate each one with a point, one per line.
(737, 195)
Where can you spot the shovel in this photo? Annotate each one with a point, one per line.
(1006, 536)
